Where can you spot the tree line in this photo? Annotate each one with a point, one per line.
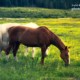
(59, 4)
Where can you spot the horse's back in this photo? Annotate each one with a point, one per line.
(28, 31)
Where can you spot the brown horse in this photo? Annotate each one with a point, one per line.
(40, 37)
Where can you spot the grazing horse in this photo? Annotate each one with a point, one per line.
(4, 37)
(40, 37)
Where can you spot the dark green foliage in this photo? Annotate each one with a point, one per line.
(60, 4)
(29, 12)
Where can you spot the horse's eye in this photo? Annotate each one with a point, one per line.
(66, 55)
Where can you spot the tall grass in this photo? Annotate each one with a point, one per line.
(68, 29)
(29, 12)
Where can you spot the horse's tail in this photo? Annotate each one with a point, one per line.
(0, 40)
(5, 40)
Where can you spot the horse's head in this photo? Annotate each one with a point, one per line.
(65, 56)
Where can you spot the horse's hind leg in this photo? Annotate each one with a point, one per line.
(43, 50)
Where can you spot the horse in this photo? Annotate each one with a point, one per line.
(4, 37)
(40, 37)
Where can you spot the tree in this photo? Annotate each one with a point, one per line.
(61, 4)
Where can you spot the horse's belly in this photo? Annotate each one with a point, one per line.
(30, 42)
(32, 45)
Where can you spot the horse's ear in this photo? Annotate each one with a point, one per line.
(69, 47)
(66, 47)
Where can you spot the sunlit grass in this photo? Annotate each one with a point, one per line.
(28, 69)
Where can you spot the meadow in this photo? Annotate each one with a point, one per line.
(68, 29)
(34, 12)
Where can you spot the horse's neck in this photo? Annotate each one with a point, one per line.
(58, 43)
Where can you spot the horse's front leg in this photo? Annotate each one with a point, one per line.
(43, 50)
(15, 49)
(0, 53)
(7, 51)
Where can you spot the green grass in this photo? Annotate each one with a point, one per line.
(32, 12)
(68, 29)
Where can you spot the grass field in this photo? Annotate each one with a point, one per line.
(68, 29)
(33, 12)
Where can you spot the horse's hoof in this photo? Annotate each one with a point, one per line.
(16, 59)
(66, 65)
(42, 63)
(7, 60)
(32, 58)
(45, 55)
